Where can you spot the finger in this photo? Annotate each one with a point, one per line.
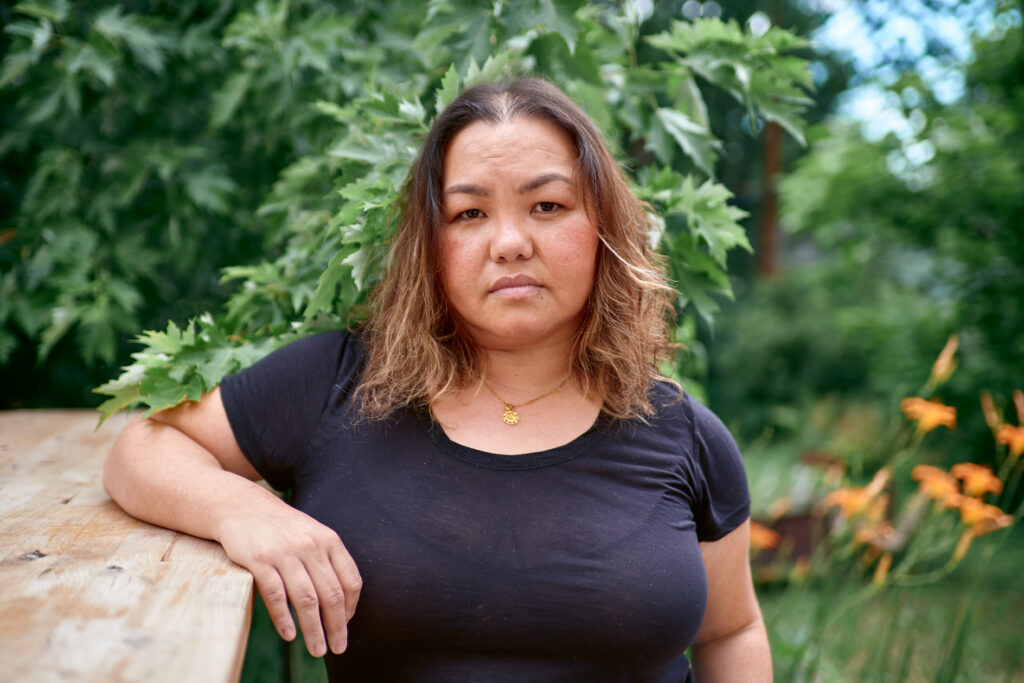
(303, 597)
(272, 590)
(331, 596)
(348, 574)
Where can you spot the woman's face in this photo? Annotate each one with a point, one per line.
(518, 248)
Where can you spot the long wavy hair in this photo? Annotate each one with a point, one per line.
(417, 352)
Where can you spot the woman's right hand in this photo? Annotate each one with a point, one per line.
(183, 469)
(295, 559)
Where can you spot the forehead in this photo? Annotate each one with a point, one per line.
(522, 144)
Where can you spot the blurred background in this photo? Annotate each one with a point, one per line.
(165, 160)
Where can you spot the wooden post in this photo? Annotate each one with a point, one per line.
(767, 259)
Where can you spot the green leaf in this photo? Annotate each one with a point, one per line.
(690, 101)
(55, 11)
(449, 89)
(360, 261)
(85, 57)
(16, 64)
(121, 399)
(145, 46)
(695, 140)
(496, 67)
(211, 189)
(714, 221)
(160, 391)
(227, 99)
(62, 319)
(412, 110)
(326, 287)
(169, 342)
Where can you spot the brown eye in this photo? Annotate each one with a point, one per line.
(547, 207)
(471, 214)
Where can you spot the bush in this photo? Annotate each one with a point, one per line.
(155, 146)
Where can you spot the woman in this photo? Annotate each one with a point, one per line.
(525, 499)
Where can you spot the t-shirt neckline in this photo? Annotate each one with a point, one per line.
(519, 461)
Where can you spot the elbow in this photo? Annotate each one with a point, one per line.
(117, 464)
(741, 654)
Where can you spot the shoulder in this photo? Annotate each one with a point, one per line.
(331, 351)
(329, 342)
(311, 365)
(673, 402)
(712, 460)
(674, 406)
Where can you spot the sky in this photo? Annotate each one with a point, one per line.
(880, 37)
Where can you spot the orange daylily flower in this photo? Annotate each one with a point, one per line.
(937, 484)
(1013, 437)
(978, 479)
(878, 535)
(854, 501)
(929, 414)
(982, 517)
(763, 538)
(850, 501)
(945, 364)
(877, 508)
(988, 407)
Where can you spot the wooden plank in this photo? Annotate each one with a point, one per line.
(90, 593)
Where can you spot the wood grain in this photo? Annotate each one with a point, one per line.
(88, 593)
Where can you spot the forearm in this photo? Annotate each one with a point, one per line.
(158, 474)
(742, 657)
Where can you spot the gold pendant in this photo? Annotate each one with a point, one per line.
(510, 416)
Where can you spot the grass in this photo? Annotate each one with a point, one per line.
(966, 627)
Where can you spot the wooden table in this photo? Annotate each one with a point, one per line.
(88, 593)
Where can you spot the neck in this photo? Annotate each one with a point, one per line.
(527, 370)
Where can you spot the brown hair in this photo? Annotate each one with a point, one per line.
(416, 351)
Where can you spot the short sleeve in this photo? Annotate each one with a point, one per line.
(724, 500)
(275, 405)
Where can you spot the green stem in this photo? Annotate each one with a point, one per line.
(1013, 482)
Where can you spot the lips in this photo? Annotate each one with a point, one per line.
(515, 287)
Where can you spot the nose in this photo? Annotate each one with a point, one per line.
(511, 240)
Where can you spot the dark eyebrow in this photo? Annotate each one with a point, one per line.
(528, 186)
(466, 189)
(542, 180)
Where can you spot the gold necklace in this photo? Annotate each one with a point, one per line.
(509, 414)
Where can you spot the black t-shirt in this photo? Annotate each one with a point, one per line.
(579, 563)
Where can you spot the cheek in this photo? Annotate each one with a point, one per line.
(454, 265)
(581, 260)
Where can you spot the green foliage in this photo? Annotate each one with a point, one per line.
(203, 353)
(897, 241)
(927, 222)
(155, 146)
(824, 329)
(750, 68)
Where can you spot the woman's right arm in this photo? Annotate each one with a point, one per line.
(183, 469)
